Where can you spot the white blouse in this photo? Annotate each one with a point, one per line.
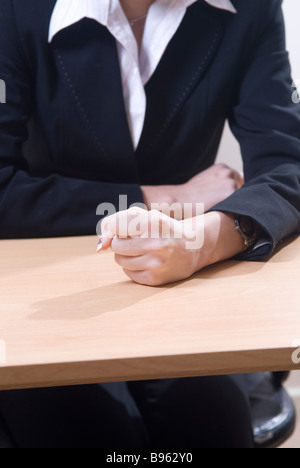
(163, 20)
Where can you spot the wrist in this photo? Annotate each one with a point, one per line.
(222, 241)
(158, 195)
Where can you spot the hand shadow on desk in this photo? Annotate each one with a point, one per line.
(125, 294)
(228, 269)
(95, 302)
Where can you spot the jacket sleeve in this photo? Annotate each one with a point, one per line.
(30, 206)
(266, 123)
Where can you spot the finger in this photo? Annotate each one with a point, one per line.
(118, 224)
(141, 263)
(239, 177)
(127, 223)
(134, 247)
(131, 263)
(141, 277)
(104, 243)
(106, 235)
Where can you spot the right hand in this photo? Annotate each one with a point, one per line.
(209, 187)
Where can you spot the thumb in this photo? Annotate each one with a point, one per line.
(104, 241)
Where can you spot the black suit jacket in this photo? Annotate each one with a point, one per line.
(65, 145)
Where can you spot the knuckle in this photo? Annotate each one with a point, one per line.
(118, 260)
(228, 173)
(231, 174)
(221, 166)
(155, 263)
(222, 171)
(230, 187)
(135, 209)
(154, 215)
(156, 244)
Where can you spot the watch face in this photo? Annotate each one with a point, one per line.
(247, 226)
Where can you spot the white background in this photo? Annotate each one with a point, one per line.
(229, 151)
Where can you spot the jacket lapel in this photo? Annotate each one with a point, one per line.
(184, 63)
(87, 60)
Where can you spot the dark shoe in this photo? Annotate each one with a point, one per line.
(273, 412)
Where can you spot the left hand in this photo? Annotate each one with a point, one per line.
(154, 249)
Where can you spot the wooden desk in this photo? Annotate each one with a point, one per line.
(70, 316)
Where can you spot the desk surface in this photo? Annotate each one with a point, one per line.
(70, 316)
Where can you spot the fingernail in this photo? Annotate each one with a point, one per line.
(100, 245)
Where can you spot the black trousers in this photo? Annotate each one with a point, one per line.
(204, 412)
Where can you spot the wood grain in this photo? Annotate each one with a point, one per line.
(70, 316)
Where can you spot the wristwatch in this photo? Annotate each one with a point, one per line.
(246, 227)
